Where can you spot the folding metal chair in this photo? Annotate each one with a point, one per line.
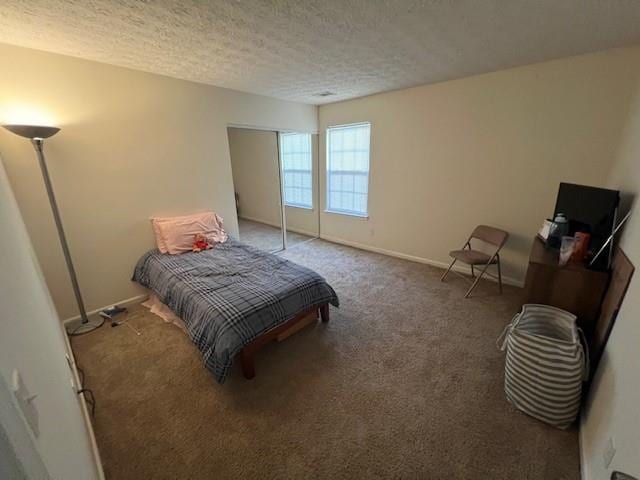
(488, 235)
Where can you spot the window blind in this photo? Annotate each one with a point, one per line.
(348, 169)
(297, 182)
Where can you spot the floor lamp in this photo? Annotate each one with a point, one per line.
(37, 135)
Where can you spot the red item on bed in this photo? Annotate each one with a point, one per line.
(201, 243)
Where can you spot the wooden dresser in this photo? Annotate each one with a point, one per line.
(573, 287)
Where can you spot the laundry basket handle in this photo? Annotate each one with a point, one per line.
(501, 341)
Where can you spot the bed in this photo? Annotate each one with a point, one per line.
(234, 298)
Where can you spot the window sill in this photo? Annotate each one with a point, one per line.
(355, 215)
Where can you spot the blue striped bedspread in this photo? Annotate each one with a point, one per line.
(230, 295)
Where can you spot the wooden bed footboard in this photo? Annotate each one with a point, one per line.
(246, 354)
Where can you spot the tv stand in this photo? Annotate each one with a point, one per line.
(572, 287)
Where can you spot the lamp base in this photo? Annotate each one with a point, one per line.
(90, 326)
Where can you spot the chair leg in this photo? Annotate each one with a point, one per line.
(466, 295)
(477, 280)
(499, 275)
(448, 269)
(473, 274)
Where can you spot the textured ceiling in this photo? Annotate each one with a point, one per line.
(296, 49)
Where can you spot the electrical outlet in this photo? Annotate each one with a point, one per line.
(609, 452)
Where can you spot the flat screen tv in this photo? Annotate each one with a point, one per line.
(591, 210)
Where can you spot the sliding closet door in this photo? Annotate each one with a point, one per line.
(256, 180)
(299, 167)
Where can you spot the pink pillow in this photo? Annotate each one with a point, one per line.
(156, 221)
(177, 234)
(160, 243)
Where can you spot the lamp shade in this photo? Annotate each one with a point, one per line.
(32, 131)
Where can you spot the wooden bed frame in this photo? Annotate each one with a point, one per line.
(246, 354)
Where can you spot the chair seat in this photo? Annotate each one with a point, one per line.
(471, 257)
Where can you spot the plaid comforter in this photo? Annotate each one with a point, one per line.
(230, 295)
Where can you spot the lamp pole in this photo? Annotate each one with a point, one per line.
(37, 135)
(38, 144)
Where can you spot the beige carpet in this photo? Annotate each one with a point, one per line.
(404, 382)
(267, 237)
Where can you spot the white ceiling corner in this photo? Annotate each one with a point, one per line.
(294, 50)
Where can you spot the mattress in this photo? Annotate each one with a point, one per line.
(230, 295)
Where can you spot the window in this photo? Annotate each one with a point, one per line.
(295, 156)
(348, 169)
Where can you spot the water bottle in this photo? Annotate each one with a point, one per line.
(559, 228)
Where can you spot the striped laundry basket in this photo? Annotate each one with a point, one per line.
(545, 364)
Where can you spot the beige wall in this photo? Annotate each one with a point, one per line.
(32, 343)
(613, 408)
(486, 149)
(254, 160)
(132, 145)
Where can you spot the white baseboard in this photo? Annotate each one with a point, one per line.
(303, 232)
(259, 220)
(275, 225)
(413, 258)
(583, 459)
(70, 322)
(71, 359)
(405, 256)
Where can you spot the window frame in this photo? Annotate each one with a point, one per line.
(327, 209)
(282, 169)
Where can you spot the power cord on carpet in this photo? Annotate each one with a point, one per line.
(91, 401)
(73, 333)
(89, 397)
